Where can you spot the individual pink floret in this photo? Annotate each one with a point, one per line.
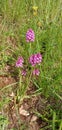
(19, 62)
(35, 59)
(23, 73)
(36, 72)
(30, 36)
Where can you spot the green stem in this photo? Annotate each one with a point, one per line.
(30, 49)
(20, 78)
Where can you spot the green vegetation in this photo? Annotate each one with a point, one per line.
(16, 17)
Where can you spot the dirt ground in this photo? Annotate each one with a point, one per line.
(24, 112)
(24, 115)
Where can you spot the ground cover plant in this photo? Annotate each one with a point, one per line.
(30, 65)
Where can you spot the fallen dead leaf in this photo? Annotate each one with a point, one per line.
(12, 94)
(23, 112)
(34, 118)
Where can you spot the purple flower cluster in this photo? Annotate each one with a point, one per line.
(35, 59)
(19, 62)
(30, 36)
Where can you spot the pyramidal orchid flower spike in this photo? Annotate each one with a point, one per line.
(35, 59)
(30, 36)
(36, 72)
(19, 62)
